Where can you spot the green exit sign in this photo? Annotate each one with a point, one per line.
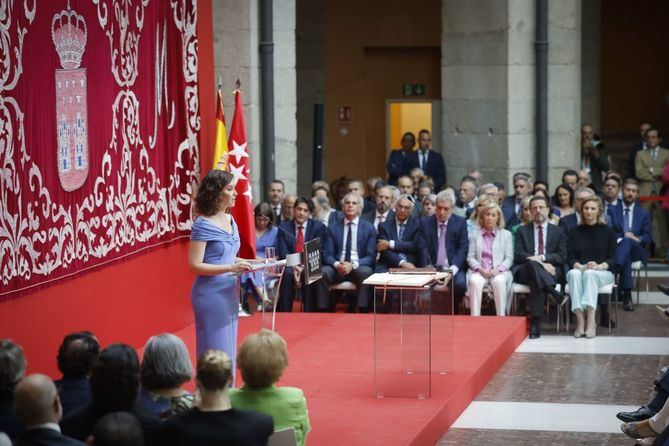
(413, 89)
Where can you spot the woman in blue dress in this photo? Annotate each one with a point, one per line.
(266, 234)
(213, 257)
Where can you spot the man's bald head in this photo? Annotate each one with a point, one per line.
(36, 400)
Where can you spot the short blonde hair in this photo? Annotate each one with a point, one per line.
(481, 202)
(262, 358)
(600, 209)
(487, 207)
(214, 370)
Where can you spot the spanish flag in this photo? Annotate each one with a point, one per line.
(221, 148)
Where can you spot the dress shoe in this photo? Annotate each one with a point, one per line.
(664, 312)
(664, 288)
(535, 328)
(557, 295)
(638, 429)
(604, 318)
(627, 300)
(642, 413)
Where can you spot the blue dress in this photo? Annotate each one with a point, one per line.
(214, 298)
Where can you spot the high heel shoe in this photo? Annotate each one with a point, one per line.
(638, 429)
(578, 332)
(591, 325)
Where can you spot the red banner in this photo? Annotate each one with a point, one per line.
(99, 124)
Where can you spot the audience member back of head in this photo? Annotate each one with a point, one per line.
(12, 368)
(76, 356)
(117, 429)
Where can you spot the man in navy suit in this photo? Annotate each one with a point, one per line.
(633, 230)
(427, 159)
(350, 250)
(399, 242)
(511, 204)
(570, 221)
(610, 190)
(76, 356)
(395, 165)
(38, 407)
(384, 200)
(292, 236)
(445, 235)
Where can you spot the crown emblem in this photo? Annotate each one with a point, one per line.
(68, 32)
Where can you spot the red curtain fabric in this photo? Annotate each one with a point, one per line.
(99, 127)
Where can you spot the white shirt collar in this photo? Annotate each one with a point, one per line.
(354, 221)
(52, 426)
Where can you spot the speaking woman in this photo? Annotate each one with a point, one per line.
(213, 253)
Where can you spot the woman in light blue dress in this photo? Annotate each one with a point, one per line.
(213, 257)
(266, 234)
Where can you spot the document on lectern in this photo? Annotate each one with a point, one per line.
(408, 280)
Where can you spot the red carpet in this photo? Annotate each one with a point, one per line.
(331, 359)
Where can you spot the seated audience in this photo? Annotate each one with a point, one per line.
(525, 215)
(490, 257)
(564, 200)
(553, 212)
(287, 205)
(12, 367)
(467, 198)
(165, 369)
(358, 187)
(491, 191)
(424, 190)
(350, 251)
(266, 235)
(262, 359)
(323, 212)
(399, 242)
(446, 238)
(213, 420)
(429, 205)
(382, 209)
(417, 175)
(570, 178)
(114, 387)
(571, 221)
(275, 193)
(644, 412)
(631, 224)
(304, 229)
(472, 222)
(511, 206)
(38, 407)
(405, 186)
(76, 356)
(501, 192)
(117, 429)
(610, 190)
(591, 255)
(540, 251)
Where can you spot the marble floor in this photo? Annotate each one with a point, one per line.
(558, 390)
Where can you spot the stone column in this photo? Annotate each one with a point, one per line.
(590, 62)
(489, 87)
(236, 53)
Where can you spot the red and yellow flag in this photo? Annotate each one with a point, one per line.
(221, 148)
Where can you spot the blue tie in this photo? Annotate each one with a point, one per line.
(626, 220)
(349, 243)
(401, 233)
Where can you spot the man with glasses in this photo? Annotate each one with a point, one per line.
(540, 251)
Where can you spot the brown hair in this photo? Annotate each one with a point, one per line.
(600, 209)
(262, 358)
(214, 370)
(210, 190)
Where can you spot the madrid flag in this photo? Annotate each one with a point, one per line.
(238, 161)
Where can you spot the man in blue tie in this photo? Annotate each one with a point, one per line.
(350, 250)
(399, 242)
(633, 232)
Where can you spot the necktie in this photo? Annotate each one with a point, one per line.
(276, 211)
(540, 251)
(441, 251)
(300, 239)
(422, 160)
(349, 243)
(626, 220)
(654, 153)
(381, 218)
(401, 232)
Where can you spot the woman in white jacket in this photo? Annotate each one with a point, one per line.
(490, 258)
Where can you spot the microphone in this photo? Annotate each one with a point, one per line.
(291, 259)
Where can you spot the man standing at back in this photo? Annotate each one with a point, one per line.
(395, 165)
(275, 193)
(427, 159)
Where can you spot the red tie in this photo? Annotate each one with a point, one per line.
(541, 241)
(300, 239)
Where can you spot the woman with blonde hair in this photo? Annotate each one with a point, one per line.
(213, 420)
(591, 255)
(490, 258)
(263, 357)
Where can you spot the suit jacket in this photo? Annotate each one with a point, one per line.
(395, 166)
(287, 405)
(457, 241)
(509, 211)
(555, 247)
(46, 437)
(502, 250)
(371, 216)
(334, 246)
(643, 161)
(641, 225)
(334, 216)
(411, 244)
(568, 222)
(285, 244)
(435, 167)
(73, 393)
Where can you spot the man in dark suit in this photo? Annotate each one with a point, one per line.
(570, 221)
(395, 165)
(38, 407)
(399, 242)
(358, 187)
(292, 236)
(511, 204)
(427, 159)
(468, 191)
(445, 235)
(610, 190)
(633, 230)
(12, 367)
(539, 255)
(275, 192)
(382, 213)
(350, 250)
(76, 356)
